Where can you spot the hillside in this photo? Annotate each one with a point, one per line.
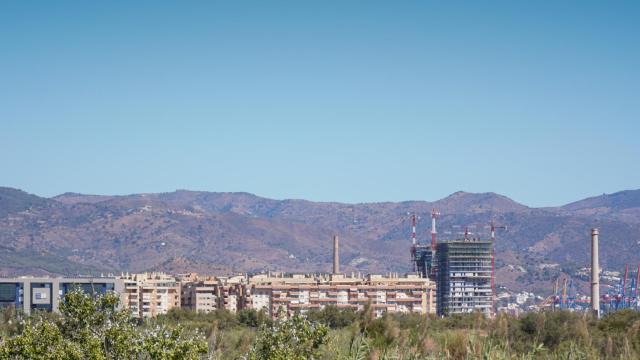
(231, 232)
(14, 200)
(623, 205)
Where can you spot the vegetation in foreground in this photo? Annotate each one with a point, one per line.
(92, 328)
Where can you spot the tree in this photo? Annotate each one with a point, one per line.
(40, 340)
(334, 317)
(289, 339)
(93, 327)
(253, 318)
(165, 343)
(97, 325)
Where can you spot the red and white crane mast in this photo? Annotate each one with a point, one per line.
(413, 229)
(434, 215)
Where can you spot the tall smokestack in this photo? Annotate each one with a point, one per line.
(595, 274)
(336, 254)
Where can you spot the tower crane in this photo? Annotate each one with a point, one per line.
(434, 233)
(494, 227)
(414, 242)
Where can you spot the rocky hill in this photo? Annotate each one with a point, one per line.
(14, 200)
(232, 232)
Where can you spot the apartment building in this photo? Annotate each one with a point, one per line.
(150, 294)
(208, 293)
(45, 294)
(199, 294)
(300, 293)
(465, 270)
(232, 297)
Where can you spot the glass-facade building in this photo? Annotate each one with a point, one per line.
(44, 294)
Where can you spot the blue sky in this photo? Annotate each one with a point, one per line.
(352, 101)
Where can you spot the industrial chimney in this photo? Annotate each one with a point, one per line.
(336, 254)
(595, 274)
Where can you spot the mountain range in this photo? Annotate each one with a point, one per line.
(221, 233)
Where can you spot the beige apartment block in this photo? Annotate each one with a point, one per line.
(233, 293)
(201, 295)
(300, 293)
(209, 293)
(150, 294)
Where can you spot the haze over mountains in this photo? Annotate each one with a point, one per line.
(240, 232)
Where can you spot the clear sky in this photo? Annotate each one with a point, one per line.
(352, 101)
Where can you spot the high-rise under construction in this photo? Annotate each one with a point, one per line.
(463, 276)
(462, 269)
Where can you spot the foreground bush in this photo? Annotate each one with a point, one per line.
(289, 339)
(92, 327)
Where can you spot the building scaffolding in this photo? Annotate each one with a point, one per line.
(464, 277)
